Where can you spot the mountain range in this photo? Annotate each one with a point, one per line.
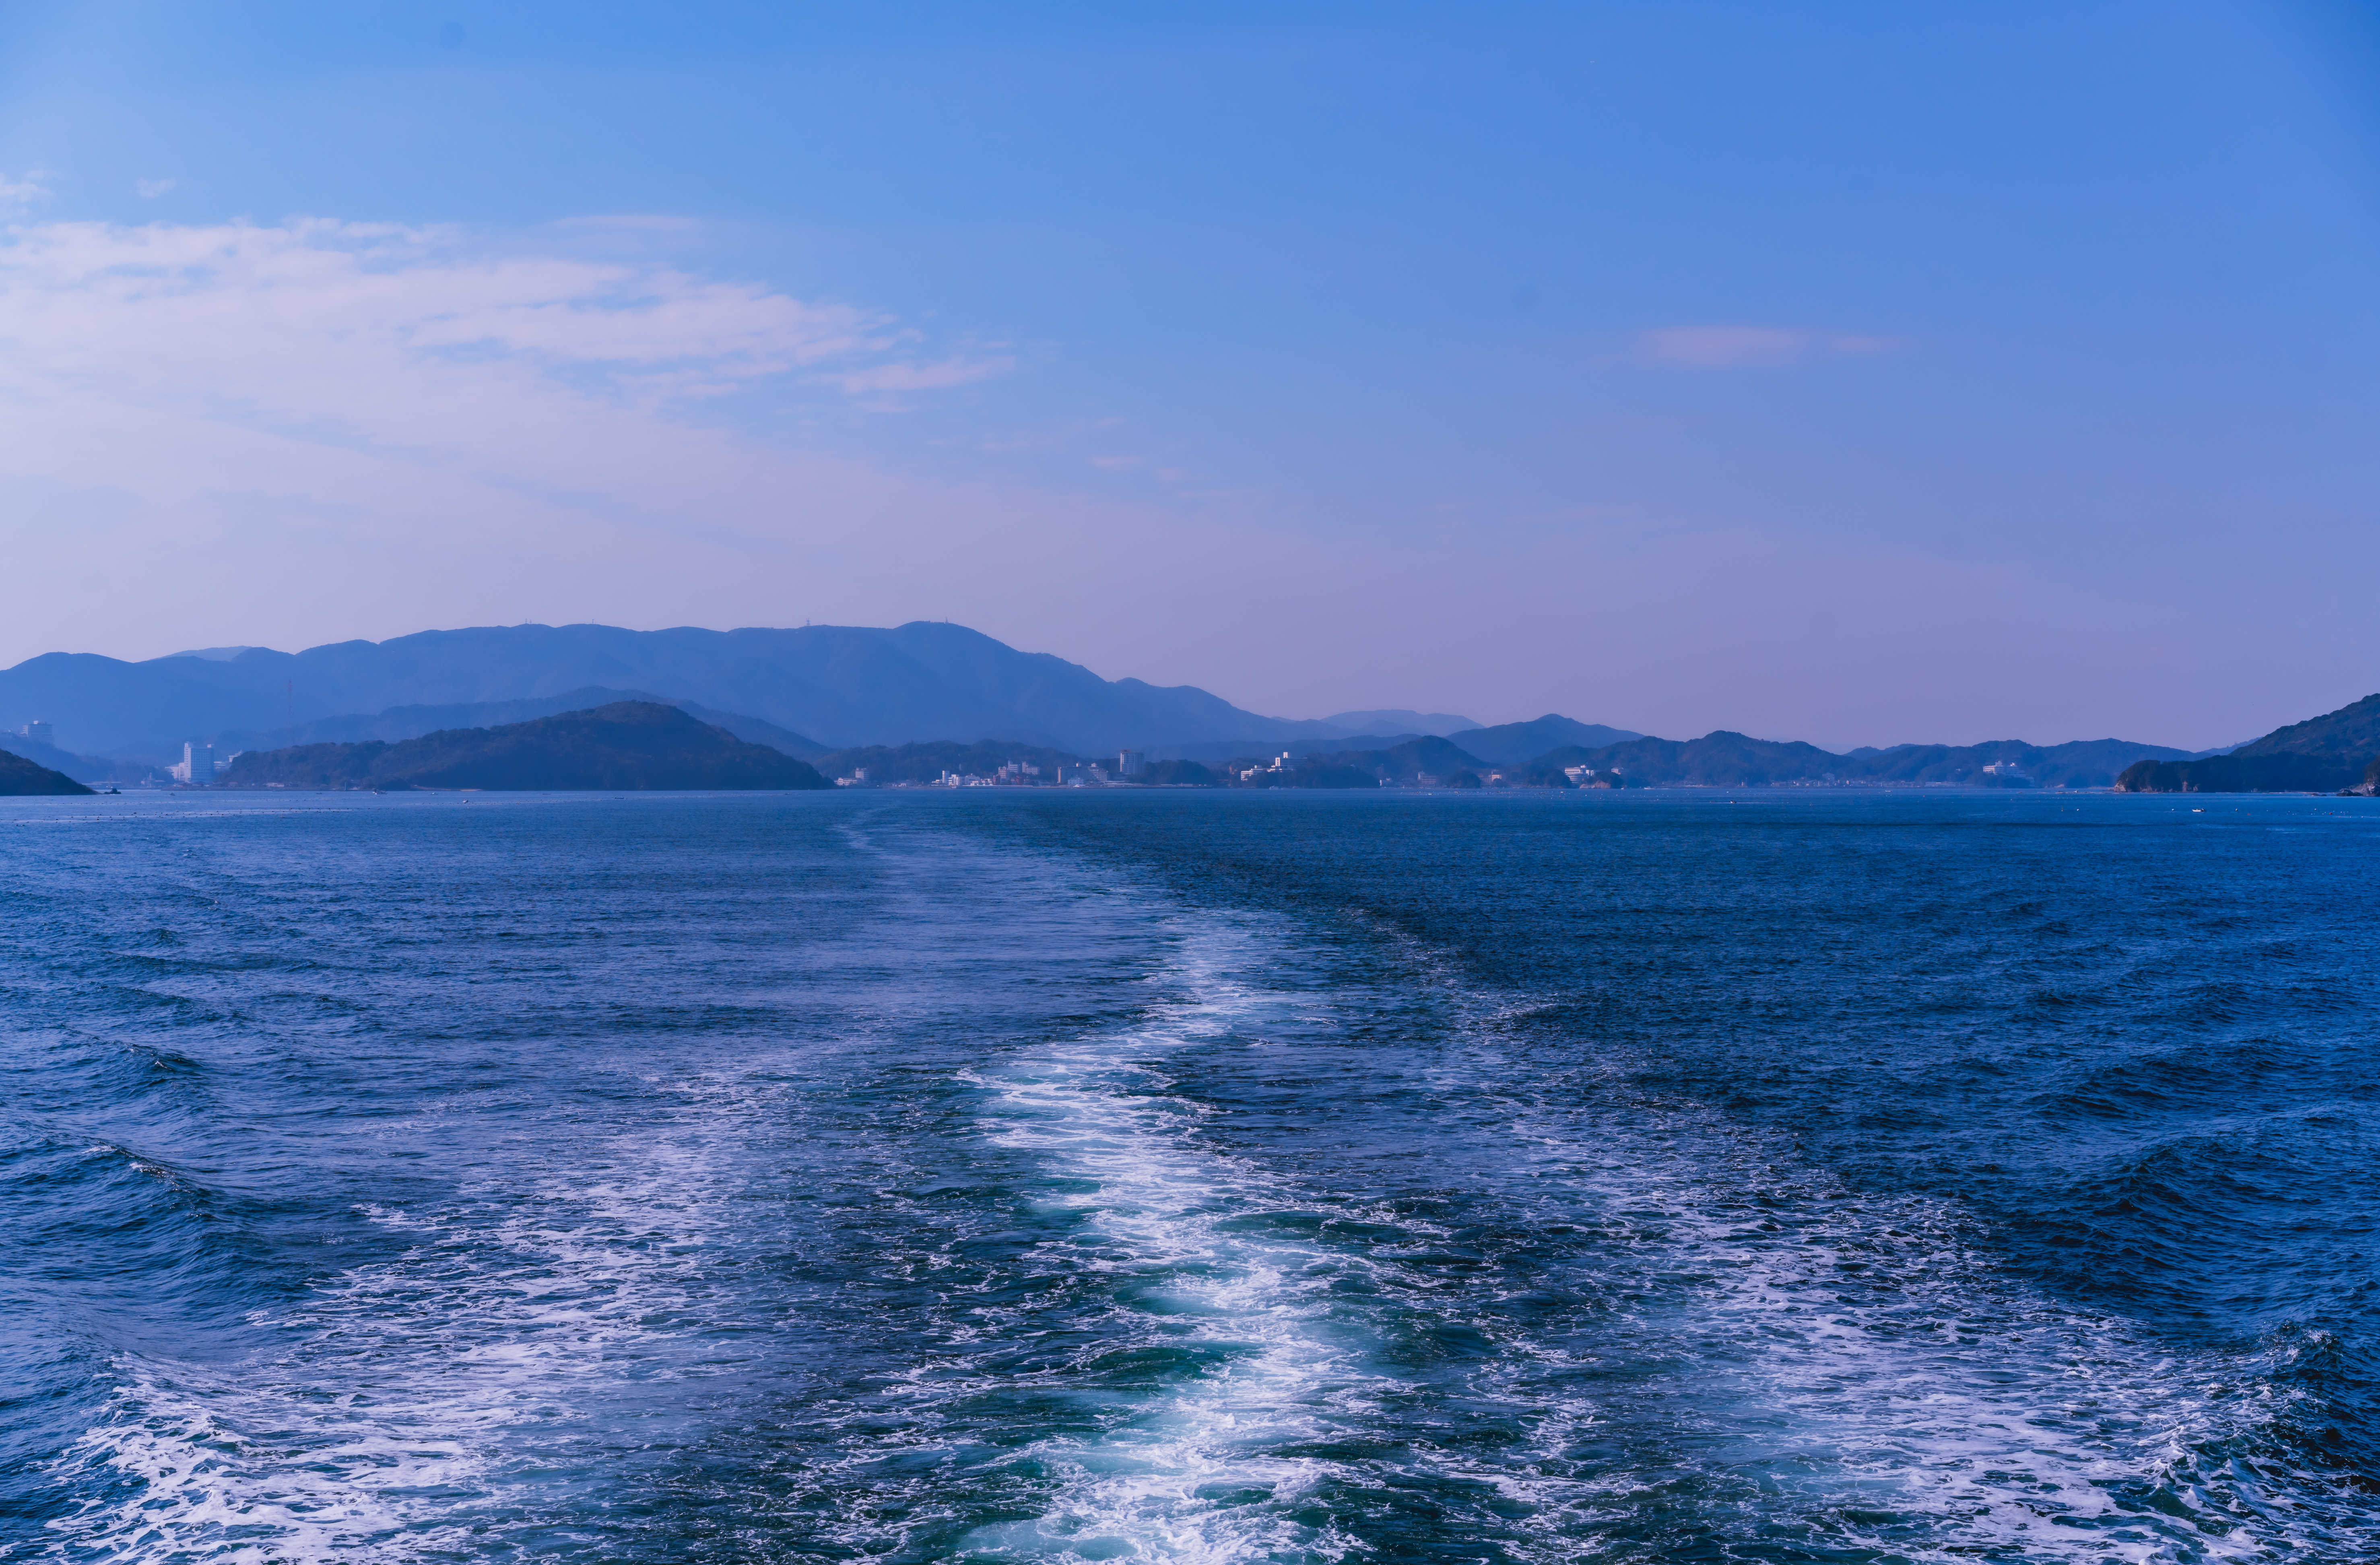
(834, 686)
(805, 691)
(1718, 760)
(1733, 761)
(818, 690)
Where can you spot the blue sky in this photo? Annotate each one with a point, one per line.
(1852, 374)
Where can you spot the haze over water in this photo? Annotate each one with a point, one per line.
(1045, 1176)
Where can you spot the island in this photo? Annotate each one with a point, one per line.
(626, 744)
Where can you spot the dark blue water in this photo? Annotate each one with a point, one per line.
(1260, 1177)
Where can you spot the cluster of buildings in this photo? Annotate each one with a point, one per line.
(1130, 765)
(199, 765)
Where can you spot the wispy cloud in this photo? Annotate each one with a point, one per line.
(411, 425)
(1730, 347)
(150, 189)
(310, 302)
(317, 429)
(20, 191)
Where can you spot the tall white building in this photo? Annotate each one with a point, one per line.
(197, 767)
(1129, 763)
(38, 730)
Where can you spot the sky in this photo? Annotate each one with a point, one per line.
(1855, 373)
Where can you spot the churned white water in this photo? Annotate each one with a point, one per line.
(1264, 1360)
(416, 1399)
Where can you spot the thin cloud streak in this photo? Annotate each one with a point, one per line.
(143, 308)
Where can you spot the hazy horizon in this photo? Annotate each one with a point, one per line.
(1855, 376)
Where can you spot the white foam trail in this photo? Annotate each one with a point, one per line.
(483, 1351)
(1193, 1475)
(1172, 1482)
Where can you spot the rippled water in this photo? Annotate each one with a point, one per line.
(1043, 1176)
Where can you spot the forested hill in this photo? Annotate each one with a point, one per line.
(1512, 743)
(20, 778)
(2337, 750)
(412, 723)
(2079, 763)
(2351, 733)
(628, 745)
(1716, 760)
(1721, 759)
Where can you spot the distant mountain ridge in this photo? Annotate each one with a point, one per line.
(1720, 760)
(836, 685)
(823, 689)
(1725, 759)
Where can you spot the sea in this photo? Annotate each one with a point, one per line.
(1016, 1174)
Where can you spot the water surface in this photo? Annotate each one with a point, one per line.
(1018, 1175)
